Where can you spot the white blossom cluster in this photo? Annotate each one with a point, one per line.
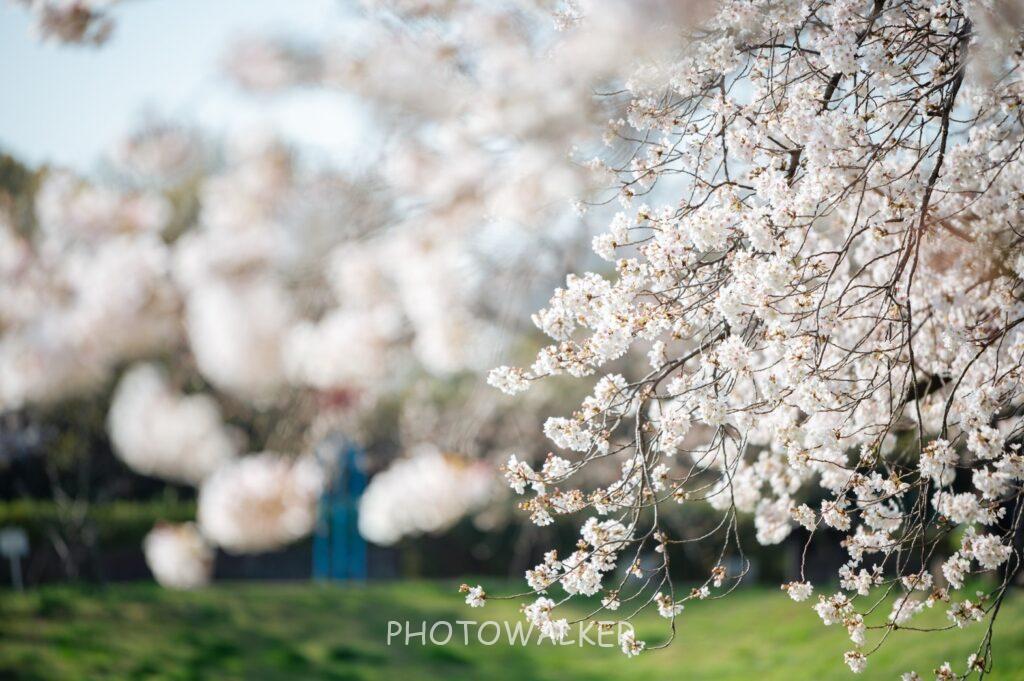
(160, 151)
(425, 493)
(95, 263)
(248, 505)
(818, 249)
(260, 502)
(159, 432)
(178, 556)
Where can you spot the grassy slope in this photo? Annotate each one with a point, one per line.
(289, 631)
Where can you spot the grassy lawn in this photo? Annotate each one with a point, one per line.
(309, 631)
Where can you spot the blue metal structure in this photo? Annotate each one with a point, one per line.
(339, 552)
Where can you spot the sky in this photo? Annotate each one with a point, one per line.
(67, 105)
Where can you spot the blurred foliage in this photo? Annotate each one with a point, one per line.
(72, 457)
(116, 523)
(18, 184)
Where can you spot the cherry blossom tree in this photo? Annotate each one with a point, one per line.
(818, 249)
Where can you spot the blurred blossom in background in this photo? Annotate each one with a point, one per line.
(238, 237)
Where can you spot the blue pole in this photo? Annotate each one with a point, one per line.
(339, 552)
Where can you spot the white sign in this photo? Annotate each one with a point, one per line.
(13, 542)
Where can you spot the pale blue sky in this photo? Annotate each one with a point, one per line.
(67, 104)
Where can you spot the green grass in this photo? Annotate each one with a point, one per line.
(309, 631)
